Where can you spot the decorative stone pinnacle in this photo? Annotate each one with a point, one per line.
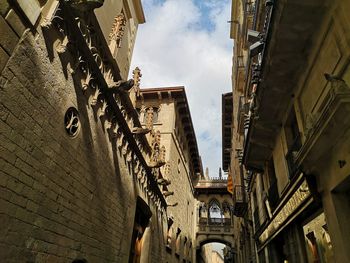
(118, 29)
(137, 77)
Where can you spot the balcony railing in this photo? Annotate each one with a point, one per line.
(215, 225)
(291, 156)
(214, 221)
(239, 201)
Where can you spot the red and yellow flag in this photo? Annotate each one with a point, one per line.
(229, 183)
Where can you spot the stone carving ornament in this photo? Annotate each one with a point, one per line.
(97, 95)
(137, 77)
(118, 29)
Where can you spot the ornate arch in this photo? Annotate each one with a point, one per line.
(214, 209)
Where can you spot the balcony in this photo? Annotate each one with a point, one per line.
(214, 225)
(239, 201)
(281, 79)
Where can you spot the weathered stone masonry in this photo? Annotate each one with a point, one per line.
(61, 198)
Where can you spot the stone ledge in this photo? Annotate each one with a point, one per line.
(8, 39)
(15, 22)
(31, 9)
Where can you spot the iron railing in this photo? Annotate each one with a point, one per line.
(214, 221)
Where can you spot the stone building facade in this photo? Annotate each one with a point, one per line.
(166, 111)
(79, 180)
(291, 127)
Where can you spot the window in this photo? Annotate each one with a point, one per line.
(155, 115)
(256, 212)
(292, 131)
(293, 141)
(72, 122)
(142, 216)
(272, 185)
(151, 112)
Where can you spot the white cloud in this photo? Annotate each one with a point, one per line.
(186, 44)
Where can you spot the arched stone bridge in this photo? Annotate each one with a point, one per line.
(214, 213)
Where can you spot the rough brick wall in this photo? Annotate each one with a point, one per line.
(60, 197)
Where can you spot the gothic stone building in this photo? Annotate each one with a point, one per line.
(166, 111)
(81, 177)
(291, 96)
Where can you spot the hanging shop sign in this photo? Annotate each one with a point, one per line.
(294, 202)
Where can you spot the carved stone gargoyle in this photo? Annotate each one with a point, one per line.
(85, 5)
(140, 130)
(120, 86)
(156, 164)
(158, 157)
(168, 193)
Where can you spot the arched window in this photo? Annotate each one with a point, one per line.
(155, 114)
(214, 209)
(150, 112)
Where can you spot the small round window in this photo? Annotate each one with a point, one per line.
(72, 122)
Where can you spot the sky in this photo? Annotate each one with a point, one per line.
(187, 43)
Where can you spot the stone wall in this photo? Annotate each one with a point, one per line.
(182, 202)
(61, 197)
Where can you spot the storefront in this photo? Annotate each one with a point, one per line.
(297, 231)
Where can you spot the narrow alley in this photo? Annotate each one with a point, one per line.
(221, 134)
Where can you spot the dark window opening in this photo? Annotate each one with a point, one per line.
(293, 139)
(141, 221)
(272, 182)
(155, 115)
